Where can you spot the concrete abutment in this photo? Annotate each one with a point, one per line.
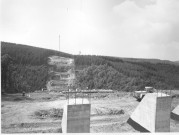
(153, 112)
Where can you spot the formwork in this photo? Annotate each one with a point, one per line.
(153, 112)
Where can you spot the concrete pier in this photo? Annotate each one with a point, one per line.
(153, 112)
(76, 116)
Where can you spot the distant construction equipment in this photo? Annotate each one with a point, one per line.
(139, 95)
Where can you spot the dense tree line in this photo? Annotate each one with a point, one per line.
(28, 55)
(25, 68)
(135, 74)
(18, 77)
(102, 77)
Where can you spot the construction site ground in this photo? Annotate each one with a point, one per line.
(42, 112)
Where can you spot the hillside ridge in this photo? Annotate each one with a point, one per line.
(28, 69)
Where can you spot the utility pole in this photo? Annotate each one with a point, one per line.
(59, 42)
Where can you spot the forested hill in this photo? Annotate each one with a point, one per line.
(119, 73)
(24, 54)
(25, 68)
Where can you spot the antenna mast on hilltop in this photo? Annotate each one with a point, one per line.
(59, 42)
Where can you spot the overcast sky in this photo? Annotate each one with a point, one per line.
(122, 28)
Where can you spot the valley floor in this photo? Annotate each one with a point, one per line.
(42, 113)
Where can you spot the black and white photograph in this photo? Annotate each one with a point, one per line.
(89, 66)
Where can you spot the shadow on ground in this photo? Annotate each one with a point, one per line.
(136, 126)
(174, 116)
